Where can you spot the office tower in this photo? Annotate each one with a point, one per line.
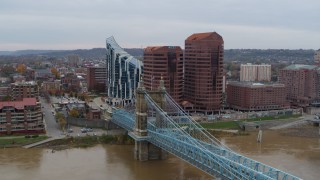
(123, 73)
(96, 79)
(165, 62)
(203, 79)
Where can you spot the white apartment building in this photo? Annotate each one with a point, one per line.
(255, 72)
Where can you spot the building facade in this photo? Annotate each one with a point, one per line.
(123, 72)
(4, 93)
(165, 62)
(255, 72)
(203, 73)
(96, 79)
(302, 84)
(51, 85)
(70, 82)
(248, 96)
(20, 90)
(23, 116)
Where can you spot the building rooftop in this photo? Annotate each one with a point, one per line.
(300, 66)
(255, 84)
(19, 104)
(205, 36)
(162, 48)
(118, 50)
(24, 83)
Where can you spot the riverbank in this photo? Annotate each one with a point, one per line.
(87, 141)
(19, 141)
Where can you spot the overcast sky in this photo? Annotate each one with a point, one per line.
(75, 24)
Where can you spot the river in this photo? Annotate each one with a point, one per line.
(299, 156)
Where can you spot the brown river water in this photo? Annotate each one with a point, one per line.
(299, 156)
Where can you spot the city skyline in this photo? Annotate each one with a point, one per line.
(80, 24)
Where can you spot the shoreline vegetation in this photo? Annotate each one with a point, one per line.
(65, 143)
(20, 140)
(87, 141)
(217, 129)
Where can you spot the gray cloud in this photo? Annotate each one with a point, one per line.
(60, 24)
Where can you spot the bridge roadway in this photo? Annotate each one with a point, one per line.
(171, 129)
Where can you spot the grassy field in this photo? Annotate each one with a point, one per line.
(19, 140)
(220, 125)
(234, 125)
(268, 118)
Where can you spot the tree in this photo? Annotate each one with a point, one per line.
(55, 72)
(61, 120)
(74, 113)
(21, 68)
(7, 70)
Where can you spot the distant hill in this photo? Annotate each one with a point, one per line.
(26, 52)
(85, 53)
(238, 55)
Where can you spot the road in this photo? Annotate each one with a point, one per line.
(52, 127)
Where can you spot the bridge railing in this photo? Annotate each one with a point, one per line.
(123, 119)
(170, 127)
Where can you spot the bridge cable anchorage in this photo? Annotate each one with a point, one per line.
(173, 125)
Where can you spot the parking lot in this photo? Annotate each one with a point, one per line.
(95, 132)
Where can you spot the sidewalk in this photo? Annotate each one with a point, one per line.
(42, 142)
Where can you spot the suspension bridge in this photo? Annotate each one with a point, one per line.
(159, 125)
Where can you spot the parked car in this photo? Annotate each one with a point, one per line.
(70, 130)
(83, 130)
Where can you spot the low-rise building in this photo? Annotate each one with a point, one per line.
(70, 82)
(94, 114)
(250, 96)
(23, 116)
(51, 85)
(20, 90)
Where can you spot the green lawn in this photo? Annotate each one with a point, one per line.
(220, 125)
(271, 118)
(20, 140)
(234, 125)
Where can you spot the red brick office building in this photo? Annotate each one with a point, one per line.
(165, 61)
(96, 79)
(302, 82)
(203, 79)
(248, 96)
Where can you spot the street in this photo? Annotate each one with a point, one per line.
(52, 127)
